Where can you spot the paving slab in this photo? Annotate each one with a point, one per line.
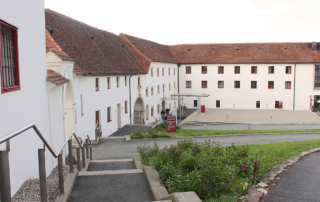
(111, 166)
(111, 188)
(127, 129)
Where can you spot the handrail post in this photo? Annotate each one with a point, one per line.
(5, 186)
(83, 157)
(90, 153)
(70, 155)
(60, 171)
(42, 175)
(87, 149)
(78, 159)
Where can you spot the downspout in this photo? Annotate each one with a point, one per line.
(294, 87)
(130, 97)
(178, 77)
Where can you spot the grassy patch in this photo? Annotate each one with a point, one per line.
(218, 173)
(161, 131)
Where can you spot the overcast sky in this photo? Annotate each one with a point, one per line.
(200, 21)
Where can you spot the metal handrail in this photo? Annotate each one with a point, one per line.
(89, 139)
(64, 144)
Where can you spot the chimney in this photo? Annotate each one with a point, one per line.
(314, 46)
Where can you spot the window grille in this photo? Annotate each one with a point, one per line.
(7, 56)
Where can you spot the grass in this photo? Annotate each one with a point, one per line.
(193, 166)
(160, 132)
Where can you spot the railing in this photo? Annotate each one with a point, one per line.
(4, 162)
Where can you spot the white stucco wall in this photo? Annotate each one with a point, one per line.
(30, 104)
(245, 97)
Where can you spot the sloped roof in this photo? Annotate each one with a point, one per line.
(56, 78)
(104, 54)
(246, 53)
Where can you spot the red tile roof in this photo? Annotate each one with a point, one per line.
(101, 55)
(56, 78)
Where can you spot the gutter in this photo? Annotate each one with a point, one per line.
(130, 97)
(294, 87)
(111, 74)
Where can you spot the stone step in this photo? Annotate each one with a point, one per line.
(110, 172)
(110, 160)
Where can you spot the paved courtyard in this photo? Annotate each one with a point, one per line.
(253, 116)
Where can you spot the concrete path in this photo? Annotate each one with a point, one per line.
(299, 184)
(127, 129)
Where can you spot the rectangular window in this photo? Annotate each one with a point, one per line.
(163, 88)
(97, 84)
(270, 84)
(169, 86)
(147, 112)
(204, 84)
(152, 115)
(317, 76)
(217, 103)
(151, 72)
(81, 104)
(169, 71)
(158, 109)
(254, 69)
(174, 85)
(97, 119)
(9, 58)
(117, 82)
(288, 84)
(271, 70)
(220, 84)
(139, 83)
(236, 84)
(195, 103)
(220, 69)
(253, 84)
(276, 104)
(158, 89)
(146, 92)
(126, 106)
(109, 114)
(257, 104)
(125, 80)
(288, 69)
(158, 72)
(162, 71)
(237, 69)
(108, 83)
(204, 69)
(188, 84)
(151, 91)
(188, 69)
(174, 71)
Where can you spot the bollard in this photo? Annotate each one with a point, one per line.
(83, 157)
(5, 177)
(70, 155)
(90, 153)
(60, 171)
(87, 148)
(78, 160)
(42, 175)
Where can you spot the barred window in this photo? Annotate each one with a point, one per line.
(188, 84)
(9, 58)
(204, 84)
(317, 76)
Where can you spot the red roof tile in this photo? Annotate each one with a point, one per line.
(102, 55)
(56, 78)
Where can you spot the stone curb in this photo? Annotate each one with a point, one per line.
(258, 192)
(165, 138)
(137, 162)
(127, 138)
(158, 191)
(68, 185)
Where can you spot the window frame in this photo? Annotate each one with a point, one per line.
(109, 114)
(188, 69)
(277, 104)
(204, 69)
(17, 85)
(269, 82)
(158, 72)
(188, 86)
(270, 68)
(108, 83)
(258, 104)
(162, 71)
(118, 82)
(235, 85)
(285, 83)
(217, 103)
(254, 69)
(222, 84)
(237, 69)
(195, 103)
(126, 106)
(288, 68)
(152, 91)
(220, 69)
(254, 86)
(147, 92)
(97, 82)
(204, 82)
(125, 80)
(151, 71)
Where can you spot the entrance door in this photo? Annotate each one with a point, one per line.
(119, 115)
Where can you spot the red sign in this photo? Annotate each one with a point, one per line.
(171, 123)
(203, 109)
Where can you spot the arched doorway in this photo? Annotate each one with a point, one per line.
(69, 110)
(138, 117)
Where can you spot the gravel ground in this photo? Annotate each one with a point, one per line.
(30, 190)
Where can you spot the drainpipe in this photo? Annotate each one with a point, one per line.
(294, 87)
(178, 77)
(130, 97)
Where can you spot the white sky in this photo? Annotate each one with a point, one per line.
(200, 21)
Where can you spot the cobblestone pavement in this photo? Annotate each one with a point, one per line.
(257, 116)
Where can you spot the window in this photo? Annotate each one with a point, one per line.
(97, 84)
(97, 119)
(158, 89)
(174, 71)
(188, 84)
(117, 82)
(151, 91)
(108, 83)
(188, 69)
(276, 104)
(195, 103)
(109, 114)
(271, 70)
(174, 85)
(169, 71)
(288, 69)
(253, 84)
(158, 109)
(151, 72)
(163, 88)
(220, 69)
(317, 76)
(204, 84)
(147, 112)
(220, 84)
(288, 84)
(81, 98)
(125, 80)
(270, 84)
(162, 71)
(204, 69)
(237, 69)
(126, 106)
(217, 103)
(152, 112)
(147, 92)
(257, 104)
(254, 69)
(139, 81)
(169, 86)
(157, 71)
(9, 58)
(236, 84)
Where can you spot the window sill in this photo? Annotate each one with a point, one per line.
(109, 121)
(270, 88)
(288, 88)
(10, 89)
(220, 73)
(220, 88)
(126, 112)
